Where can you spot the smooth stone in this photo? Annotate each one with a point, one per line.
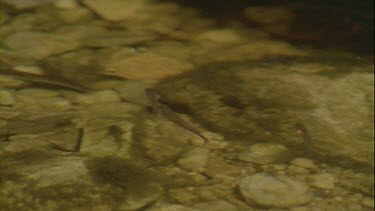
(75, 15)
(26, 4)
(216, 205)
(193, 159)
(170, 207)
(105, 96)
(297, 170)
(274, 191)
(304, 163)
(220, 36)
(22, 22)
(140, 198)
(134, 91)
(80, 32)
(115, 10)
(147, 66)
(322, 181)
(254, 50)
(279, 167)
(28, 142)
(39, 45)
(368, 202)
(37, 93)
(263, 153)
(274, 19)
(172, 49)
(29, 69)
(218, 167)
(58, 171)
(6, 98)
(42, 104)
(66, 4)
(115, 38)
(113, 110)
(97, 147)
(160, 152)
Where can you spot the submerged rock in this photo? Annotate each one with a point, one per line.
(115, 10)
(215, 205)
(193, 159)
(304, 163)
(147, 66)
(264, 154)
(136, 201)
(323, 181)
(276, 192)
(39, 45)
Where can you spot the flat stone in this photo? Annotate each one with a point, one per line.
(54, 172)
(193, 159)
(368, 202)
(22, 22)
(26, 4)
(66, 4)
(134, 91)
(80, 32)
(112, 110)
(304, 163)
(37, 93)
(75, 15)
(27, 142)
(170, 207)
(274, 192)
(323, 181)
(256, 49)
(140, 198)
(147, 66)
(29, 69)
(217, 167)
(43, 104)
(263, 153)
(216, 205)
(160, 152)
(270, 16)
(110, 38)
(6, 98)
(105, 96)
(39, 45)
(220, 36)
(115, 10)
(297, 170)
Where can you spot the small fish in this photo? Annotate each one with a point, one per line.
(169, 114)
(154, 98)
(301, 129)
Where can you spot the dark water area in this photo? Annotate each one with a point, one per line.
(336, 24)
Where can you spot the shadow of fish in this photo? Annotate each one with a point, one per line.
(169, 114)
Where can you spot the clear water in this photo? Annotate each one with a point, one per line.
(78, 131)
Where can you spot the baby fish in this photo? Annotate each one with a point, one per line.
(301, 129)
(169, 114)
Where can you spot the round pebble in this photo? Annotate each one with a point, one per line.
(323, 181)
(263, 153)
(274, 192)
(193, 159)
(304, 163)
